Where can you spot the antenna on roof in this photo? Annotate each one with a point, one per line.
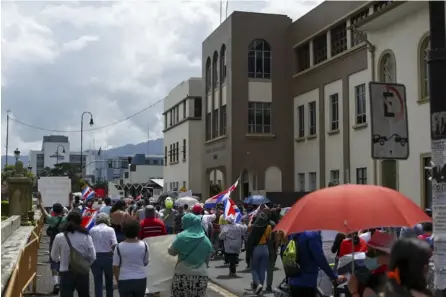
(221, 9)
(227, 4)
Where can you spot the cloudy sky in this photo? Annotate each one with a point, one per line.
(110, 58)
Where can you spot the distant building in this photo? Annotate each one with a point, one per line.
(183, 137)
(55, 149)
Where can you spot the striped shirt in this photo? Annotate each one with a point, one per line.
(151, 227)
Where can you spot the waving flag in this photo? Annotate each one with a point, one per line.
(220, 197)
(89, 218)
(87, 193)
(231, 209)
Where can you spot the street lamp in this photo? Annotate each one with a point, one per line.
(82, 132)
(57, 152)
(17, 155)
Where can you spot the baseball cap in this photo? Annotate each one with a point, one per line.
(197, 209)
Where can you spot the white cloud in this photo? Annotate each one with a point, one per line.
(110, 58)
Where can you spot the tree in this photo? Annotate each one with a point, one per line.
(10, 170)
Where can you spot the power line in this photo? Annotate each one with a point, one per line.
(86, 130)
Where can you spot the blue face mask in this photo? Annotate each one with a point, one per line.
(371, 263)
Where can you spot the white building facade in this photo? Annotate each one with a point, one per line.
(183, 137)
(55, 149)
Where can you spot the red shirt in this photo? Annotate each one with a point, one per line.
(151, 227)
(346, 247)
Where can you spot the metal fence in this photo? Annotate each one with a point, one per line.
(24, 275)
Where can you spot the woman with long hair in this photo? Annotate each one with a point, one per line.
(192, 247)
(117, 217)
(409, 265)
(76, 236)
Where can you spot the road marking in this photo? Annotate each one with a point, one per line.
(219, 290)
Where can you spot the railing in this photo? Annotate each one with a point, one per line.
(25, 272)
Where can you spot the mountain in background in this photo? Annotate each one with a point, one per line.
(152, 147)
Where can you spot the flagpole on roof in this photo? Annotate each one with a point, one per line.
(221, 10)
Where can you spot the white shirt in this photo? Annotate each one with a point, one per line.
(132, 261)
(81, 242)
(207, 220)
(366, 236)
(105, 209)
(104, 238)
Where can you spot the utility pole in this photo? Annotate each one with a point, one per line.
(437, 93)
(7, 135)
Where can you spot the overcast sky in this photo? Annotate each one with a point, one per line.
(110, 58)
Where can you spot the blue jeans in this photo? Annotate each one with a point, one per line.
(259, 264)
(103, 265)
(169, 230)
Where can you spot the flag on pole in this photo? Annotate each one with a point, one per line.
(221, 197)
(87, 193)
(88, 218)
(99, 151)
(231, 209)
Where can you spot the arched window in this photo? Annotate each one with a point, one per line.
(223, 64)
(423, 70)
(208, 74)
(215, 70)
(259, 59)
(387, 68)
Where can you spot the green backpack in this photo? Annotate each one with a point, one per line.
(78, 264)
(290, 259)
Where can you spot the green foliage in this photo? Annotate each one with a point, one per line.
(10, 170)
(5, 208)
(4, 218)
(66, 169)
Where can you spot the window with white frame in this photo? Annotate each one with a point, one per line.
(312, 118)
(361, 108)
(313, 181)
(334, 177)
(301, 121)
(259, 117)
(301, 181)
(334, 112)
(361, 176)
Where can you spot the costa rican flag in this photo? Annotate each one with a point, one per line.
(231, 209)
(89, 218)
(87, 193)
(220, 197)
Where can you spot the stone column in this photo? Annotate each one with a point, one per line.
(20, 195)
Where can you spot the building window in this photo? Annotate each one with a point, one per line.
(379, 5)
(165, 121)
(208, 75)
(361, 176)
(259, 117)
(170, 153)
(338, 39)
(312, 118)
(320, 49)
(301, 180)
(334, 112)
(126, 175)
(197, 107)
(303, 57)
(355, 19)
(165, 156)
(177, 114)
(361, 114)
(223, 64)
(301, 121)
(423, 68)
(313, 181)
(215, 70)
(334, 177)
(184, 109)
(184, 149)
(215, 124)
(427, 180)
(259, 59)
(170, 118)
(208, 126)
(223, 120)
(387, 69)
(184, 185)
(177, 152)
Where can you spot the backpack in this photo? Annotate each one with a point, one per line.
(290, 259)
(78, 264)
(53, 231)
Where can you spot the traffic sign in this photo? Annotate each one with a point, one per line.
(388, 111)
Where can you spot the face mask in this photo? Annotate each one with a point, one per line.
(371, 263)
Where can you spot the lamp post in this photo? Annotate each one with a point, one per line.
(57, 152)
(17, 155)
(82, 132)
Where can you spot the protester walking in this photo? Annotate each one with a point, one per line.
(168, 215)
(151, 226)
(118, 216)
(74, 237)
(192, 248)
(107, 207)
(232, 236)
(104, 239)
(129, 260)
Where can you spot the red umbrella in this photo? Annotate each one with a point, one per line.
(349, 208)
